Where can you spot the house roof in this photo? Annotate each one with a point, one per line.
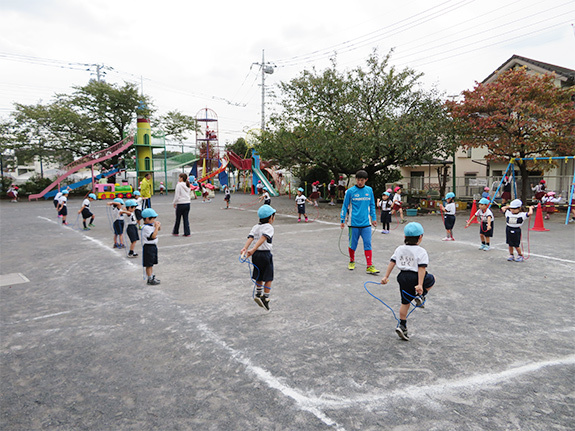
(567, 76)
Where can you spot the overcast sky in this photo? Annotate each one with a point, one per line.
(190, 54)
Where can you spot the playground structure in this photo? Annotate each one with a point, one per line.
(87, 161)
(111, 191)
(84, 182)
(254, 164)
(209, 148)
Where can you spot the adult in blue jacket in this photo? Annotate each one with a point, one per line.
(359, 209)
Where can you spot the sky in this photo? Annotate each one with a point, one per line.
(190, 55)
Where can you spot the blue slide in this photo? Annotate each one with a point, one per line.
(259, 175)
(82, 183)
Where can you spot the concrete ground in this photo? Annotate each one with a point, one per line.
(87, 345)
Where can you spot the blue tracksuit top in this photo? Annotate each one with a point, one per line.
(362, 206)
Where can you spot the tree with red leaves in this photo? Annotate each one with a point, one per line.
(518, 115)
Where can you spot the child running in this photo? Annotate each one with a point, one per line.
(359, 202)
(131, 225)
(397, 203)
(118, 222)
(150, 244)
(300, 201)
(265, 197)
(515, 219)
(86, 213)
(62, 208)
(261, 253)
(448, 216)
(227, 196)
(385, 205)
(485, 219)
(414, 280)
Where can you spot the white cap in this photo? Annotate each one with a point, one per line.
(516, 203)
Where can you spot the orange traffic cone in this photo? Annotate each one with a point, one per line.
(538, 226)
(473, 211)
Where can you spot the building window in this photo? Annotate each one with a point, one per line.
(468, 151)
(147, 165)
(146, 139)
(417, 180)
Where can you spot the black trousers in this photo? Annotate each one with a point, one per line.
(182, 212)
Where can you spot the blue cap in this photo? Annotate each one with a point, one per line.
(450, 195)
(137, 193)
(300, 190)
(386, 194)
(265, 211)
(131, 203)
(484, 201)
(266, 189)
(149, 212)
(92, 195)
(119, 201)
(65, 192)
(413, 229)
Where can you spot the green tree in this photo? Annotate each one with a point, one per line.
(178, 126)
(376, 118)
(518, 115)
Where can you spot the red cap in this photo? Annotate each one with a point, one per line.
(542, 181)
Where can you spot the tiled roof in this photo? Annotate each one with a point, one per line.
(568, 75)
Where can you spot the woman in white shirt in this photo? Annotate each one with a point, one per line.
(182, 205)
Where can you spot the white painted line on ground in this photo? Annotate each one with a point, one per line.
(13, 278)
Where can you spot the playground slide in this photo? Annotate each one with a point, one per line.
(81, 183)
(238, 162)
(260, 176)
(84, 162)
(216, 172)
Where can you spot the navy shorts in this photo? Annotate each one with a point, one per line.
(483, 230)
(55, 203)
(301, 209)
(150, 255)
(132, 231)
(118, 227)
(86, 213)
(513, 236)
(408, 280)
(227, 198)
(264, 263)
(138, 214)
(386, 216)
(449, 221)
(63, 211)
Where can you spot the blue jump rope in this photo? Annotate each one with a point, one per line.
(403, 293)
(252, 278)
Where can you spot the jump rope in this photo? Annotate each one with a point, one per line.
(404, 294)
(244, 259)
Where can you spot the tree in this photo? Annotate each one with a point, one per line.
(177, 125)
(377, 118)
(518, 115)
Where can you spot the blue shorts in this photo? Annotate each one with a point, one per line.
(364, 233)
(118, 227)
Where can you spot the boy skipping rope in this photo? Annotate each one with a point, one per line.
(485, 217)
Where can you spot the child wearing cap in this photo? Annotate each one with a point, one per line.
(85, 211)
(62, 208)
(12, 193)
(265, 197)
(549, 201)
(359, 202)
(385, 205)
(397, 203)
(139, 202)
(227, 196)
(259, 187)
(300, 201)
(117, 222)
(539, 190)
(315, 186)
(485, 193)
(131, 225)
(506, 195)
(150, 244)
(162, 188)
(448, 216)
(485, 217)
(261, 253)
(413, 278)
(332, 189)
(515, 219)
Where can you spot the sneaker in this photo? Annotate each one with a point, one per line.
(482, 247)
(175, 234)
(451, 239)
(91, 225)
(266, 303)
(446, 239)
(131, 255)
(153, 281)
(386, 231)
(486, 248)
(121, 246)
(306, 220)
(258, 299)
(116, 245)
(65, 223)
(403, 221)
(187, 235)
(519, 259)
(371, 270)
(402, 332)
(86, 228)
(351, 266)
(298, 220)
(419, 301)
(510, 258)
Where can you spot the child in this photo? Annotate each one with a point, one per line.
(300, 201)
(332, 192)
(549, 201)
(162, 188)
(265, 197)
(315, 186)
(139, 202)
(485, 193)
(131, 225)
(57, 200)
(12, 193)
(539, 190)
(360, 203)
(341, 186)
(515, 219)
(118, 222)
(62, 208)
(449, 216)
(414, 280)
(86, 213)
(261, 253)
(260, 187)
(485, 218)
(397, 203)
(205, 193)
(385, 205)
(506, 195)
(150, 244)
(227, 196)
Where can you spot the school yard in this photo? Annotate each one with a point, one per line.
(87, 345)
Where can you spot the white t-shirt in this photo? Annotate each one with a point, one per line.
(86, 203)
(299, 200)
(62, 200)
(450, 208)
(483, 216)
(131, 219)
(341, 183)
(260, 230)
(139, 203)
(515, 220)
(116, 213)
(58, 196)
(385, 205)
(410, 257)
(397, 198)
(266, 196)
(147, 231)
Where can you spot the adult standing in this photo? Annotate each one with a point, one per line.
(182, 205)
(146, 191)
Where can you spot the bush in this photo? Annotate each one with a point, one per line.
(34, 185)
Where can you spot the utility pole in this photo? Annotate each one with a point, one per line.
(267, 68)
